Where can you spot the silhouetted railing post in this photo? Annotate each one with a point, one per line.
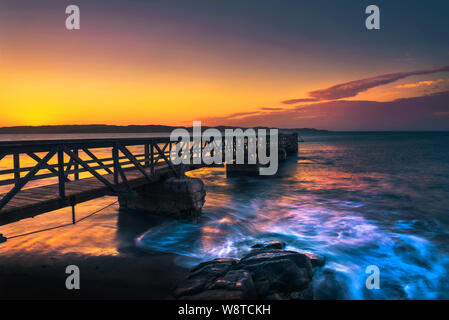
(147, 155)
(16, 157)
(61, 174)
(76, 174)
(212, 151)
(152, 158)
(115, 160)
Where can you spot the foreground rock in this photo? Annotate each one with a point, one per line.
(273, 244)
(267, 272)
(316, 261)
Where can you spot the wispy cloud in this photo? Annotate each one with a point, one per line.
(294, 101)
(353, 88)
(242, 114)
(420, 84)
(271, 109)
(428, 112)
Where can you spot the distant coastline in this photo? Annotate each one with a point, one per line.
(102, 128)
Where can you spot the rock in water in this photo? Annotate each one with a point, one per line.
(267, 272)
(267, 255)
(214, 268)
(277, 271)
(316, 261)
(273, 244)
(204, 275)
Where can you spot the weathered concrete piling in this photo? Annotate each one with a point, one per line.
(287, 145)
(181, 197)
(289, 142)
(242, 169)
(282, 154)
(184, 197)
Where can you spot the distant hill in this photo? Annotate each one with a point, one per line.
(102, 128)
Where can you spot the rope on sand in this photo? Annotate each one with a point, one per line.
(3, 239)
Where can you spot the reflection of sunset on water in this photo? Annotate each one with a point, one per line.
(94, 236)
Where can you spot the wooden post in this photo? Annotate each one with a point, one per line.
(16, 157)
(61, 174)
(152, 158)
(147, 155)
(73, 214)
(212, 151)
(72, 202)
(76, 174)
(116, 160)
(169, 151)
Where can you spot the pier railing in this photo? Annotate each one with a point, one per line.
(29, 164)
(62, 160)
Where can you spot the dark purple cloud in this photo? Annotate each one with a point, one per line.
(428, 112)
(353, 88)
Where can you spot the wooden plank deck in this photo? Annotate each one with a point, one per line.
(35, 201)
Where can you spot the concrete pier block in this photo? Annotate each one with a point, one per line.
(242, 169)
(181, 197)
(289, 142)
(282, 154)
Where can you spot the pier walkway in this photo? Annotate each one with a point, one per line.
(41, 176)
(63, 173)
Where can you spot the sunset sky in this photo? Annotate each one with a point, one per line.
(226, 62)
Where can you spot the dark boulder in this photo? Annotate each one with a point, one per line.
(281, 275)
(267, 272)
(236, 280)
(203, 275)
(273, 244)
(191, 286)
(316, 261)
(277, 271)
(216, 267)
(267, 255)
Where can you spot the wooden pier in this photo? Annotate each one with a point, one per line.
(75, 172)
(67, 160)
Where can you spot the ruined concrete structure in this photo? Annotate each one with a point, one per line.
(175, 197)
(287, 145)
(183, 197)
(289, 142)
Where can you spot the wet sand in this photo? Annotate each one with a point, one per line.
(133, 276)
(102, 246)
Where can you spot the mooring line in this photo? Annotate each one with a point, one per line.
(63, 225)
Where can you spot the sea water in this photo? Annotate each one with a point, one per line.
(358, 199)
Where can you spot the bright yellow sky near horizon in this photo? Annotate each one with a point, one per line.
(41, 90)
